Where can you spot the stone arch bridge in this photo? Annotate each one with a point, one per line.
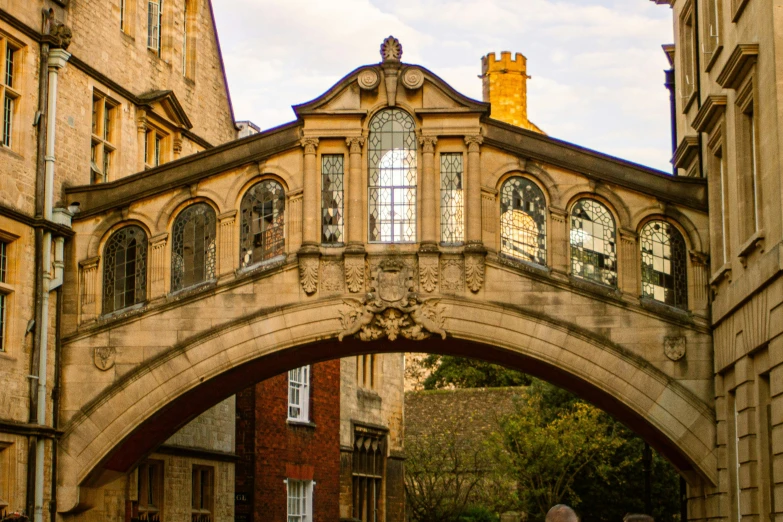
(515, 248)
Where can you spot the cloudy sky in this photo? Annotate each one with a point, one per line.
(596, 65)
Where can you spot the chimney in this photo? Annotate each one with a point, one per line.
(504, 84)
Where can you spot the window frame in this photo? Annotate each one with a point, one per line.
(747, 157)
(190, 212)
(410, 152)
(366, 371)
(718, 179)
(10, 94)
(542, 258)
(199, 507)
(302, 386)
(361, 479)
(150, 469)
(152, 44)
(6, 290)
(246, 230)
(139, 286)
(102, 139)
(452, 199)
(712, 37)
(688, 52)
(336, 196)
(156, 146)
(571, 246)
(307, 487)
(679, 266)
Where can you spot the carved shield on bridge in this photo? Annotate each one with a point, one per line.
(393, 281)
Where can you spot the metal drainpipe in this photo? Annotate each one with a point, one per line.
(57, 60)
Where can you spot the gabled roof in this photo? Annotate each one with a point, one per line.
(170, 104)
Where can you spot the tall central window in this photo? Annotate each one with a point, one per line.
(392, 183)
(263, 211)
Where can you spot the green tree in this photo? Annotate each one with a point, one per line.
(448, 371)
(546, 447)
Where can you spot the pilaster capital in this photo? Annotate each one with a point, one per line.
(699, 258)
(309, 144)
(141, 120)
(355, 144)
(428, 144)
(474, 143)
(159, 240)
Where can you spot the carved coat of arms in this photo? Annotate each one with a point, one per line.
(392, 309)
(674, 348)
(104, 357)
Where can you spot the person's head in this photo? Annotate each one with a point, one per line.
(561, 513)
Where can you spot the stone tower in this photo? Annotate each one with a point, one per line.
(505, 87)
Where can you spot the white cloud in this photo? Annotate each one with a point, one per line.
(596, 64)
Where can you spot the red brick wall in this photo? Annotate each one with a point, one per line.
(280, 449)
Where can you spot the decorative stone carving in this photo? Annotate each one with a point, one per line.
(104, 357)
(391, 50)
(674, 347)
(369, 79)
(428, 144)
(428, 272)
(308, 273)
(413, 78)
(332, 276)
(392, 309)
(474, 143)
(355, 144)
(354, 273)
(59, 32)
(474, 271)
(452, 275)
(309, 144)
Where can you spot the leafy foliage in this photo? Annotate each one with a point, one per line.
(447, 371)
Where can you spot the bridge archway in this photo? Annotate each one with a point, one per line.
(111, 433)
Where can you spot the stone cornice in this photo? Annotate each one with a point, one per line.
(35, 222)
(738, 64)
(95, 199)
(690, 192)
(711, 111)
(686, 152)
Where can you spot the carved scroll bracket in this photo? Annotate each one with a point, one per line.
(354, 272)
(474, 270)
(428, 271)
(308, 272)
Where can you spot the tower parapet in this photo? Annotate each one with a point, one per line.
(504, 83)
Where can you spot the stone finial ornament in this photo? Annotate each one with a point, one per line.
(391, 50)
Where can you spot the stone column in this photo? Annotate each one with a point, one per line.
(473, 190)
(227, 250)
(628, 264)
(559, 241)
(310, 210)
(141, 127)
(429, 192)
(88, 283)
(177, 145)
(489, 219)
(355, 199)
(701, 283)
(157, 259)
(295, 220)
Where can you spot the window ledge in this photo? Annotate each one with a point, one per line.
(192, 289)
(756, 241)
(713, 58)
(11, 152)
(528, 266)
(302, 423)
(595, 288)
(6, 289)
(124, 312)
(688, 101)
(263, 265)
(722, 273)
(665, 309)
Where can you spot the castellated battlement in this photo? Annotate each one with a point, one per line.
(490, 63)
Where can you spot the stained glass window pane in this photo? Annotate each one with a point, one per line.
(124, 269)
(194, 246)
(392, 183)
(452, 215)
(332, 197)
(523, 220)
(593, 244)
(262, 223)
(664, 265)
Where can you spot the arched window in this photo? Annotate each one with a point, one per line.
(263, 213)
(193, 247)
(664, 269)
(523, 220)
(593, 243)
(124, 269)
(392, 183)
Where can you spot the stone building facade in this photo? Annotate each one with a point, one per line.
(727, 75)
(92, 95)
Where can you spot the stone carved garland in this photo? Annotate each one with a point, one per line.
(428, 273)
(392, 309)
(354, 274)
(308, 274)
(474, 271)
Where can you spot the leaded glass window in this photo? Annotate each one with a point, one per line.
(664, 266)
(452, 215)
(124, 269)
(332, 197)
(262, 233)
(193, 247)
(523, 220)
(593, 243)
(392, 183)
